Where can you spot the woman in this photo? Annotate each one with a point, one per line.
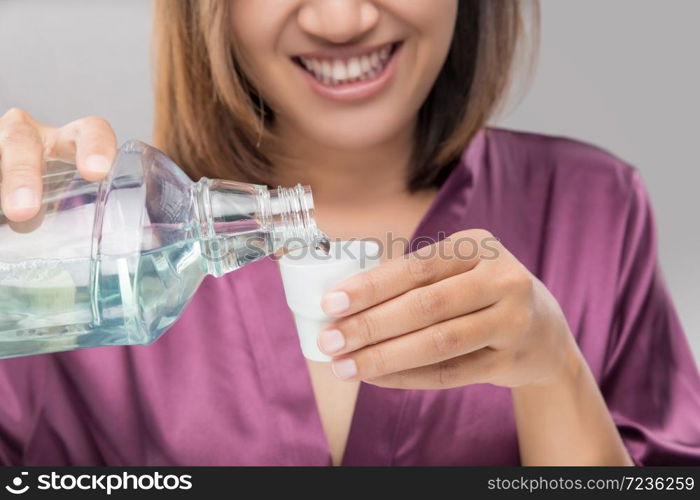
(556, 343)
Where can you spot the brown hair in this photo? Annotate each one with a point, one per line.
(209, 117)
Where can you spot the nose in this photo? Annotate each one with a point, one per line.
(338, 21)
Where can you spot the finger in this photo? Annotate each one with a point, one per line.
(416, 309)
(456, 254)
(434, 344)
(477, 367)
(21, 160)
(93, 143)
(29, 225)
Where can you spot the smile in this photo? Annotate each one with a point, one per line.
(353, 76)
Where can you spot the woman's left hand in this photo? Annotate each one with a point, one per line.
(458, 312)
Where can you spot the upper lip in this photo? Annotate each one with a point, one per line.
(343, 52)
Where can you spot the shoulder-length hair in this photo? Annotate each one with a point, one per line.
(211, 121)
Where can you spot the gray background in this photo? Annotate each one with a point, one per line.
(622, 74)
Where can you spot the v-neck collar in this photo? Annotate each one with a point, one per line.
(379, 413)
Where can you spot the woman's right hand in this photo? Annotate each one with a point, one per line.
(26, 144)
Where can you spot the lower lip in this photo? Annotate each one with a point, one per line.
(356, 90)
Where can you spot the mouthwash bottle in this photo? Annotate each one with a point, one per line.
(115, 262)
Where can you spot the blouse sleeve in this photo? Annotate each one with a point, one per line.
(21, 382)
(650, 380)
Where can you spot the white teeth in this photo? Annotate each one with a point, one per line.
(338, 71)
(365, 65)
(327, 71)
(354, 69)
(316, 67)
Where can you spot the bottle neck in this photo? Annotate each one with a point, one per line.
(240, 223)
(289, 212)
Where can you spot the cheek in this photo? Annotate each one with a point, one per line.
(256, 26)
(432, 22)
(425, 16)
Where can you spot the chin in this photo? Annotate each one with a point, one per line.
(352, 135)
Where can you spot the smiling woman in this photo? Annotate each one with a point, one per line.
(457, 58)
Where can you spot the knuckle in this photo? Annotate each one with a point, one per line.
(522, 282)
(420, 269)
(18, 133)
(395, 380)
(445, 340)
(94, 128)
(465, 247)
(515, 281)
(479, 233)
(517, 357)
(378, 364)
(448, 373)
(464, 233)
(474, 243)
(365, 325)
(16, 115)
(521, 319)
(89, 123)
(20, 173)
(427, 303)
(370, 284)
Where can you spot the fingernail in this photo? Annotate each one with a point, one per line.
(331, 341)
(344, 368)
(24, 197)
(97, 163)
(335, 303)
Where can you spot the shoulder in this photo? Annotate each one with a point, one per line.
(567, 162)
(577, 197)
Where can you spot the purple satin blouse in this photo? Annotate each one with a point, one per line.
(227, 384)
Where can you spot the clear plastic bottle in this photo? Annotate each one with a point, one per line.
(115, 262)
